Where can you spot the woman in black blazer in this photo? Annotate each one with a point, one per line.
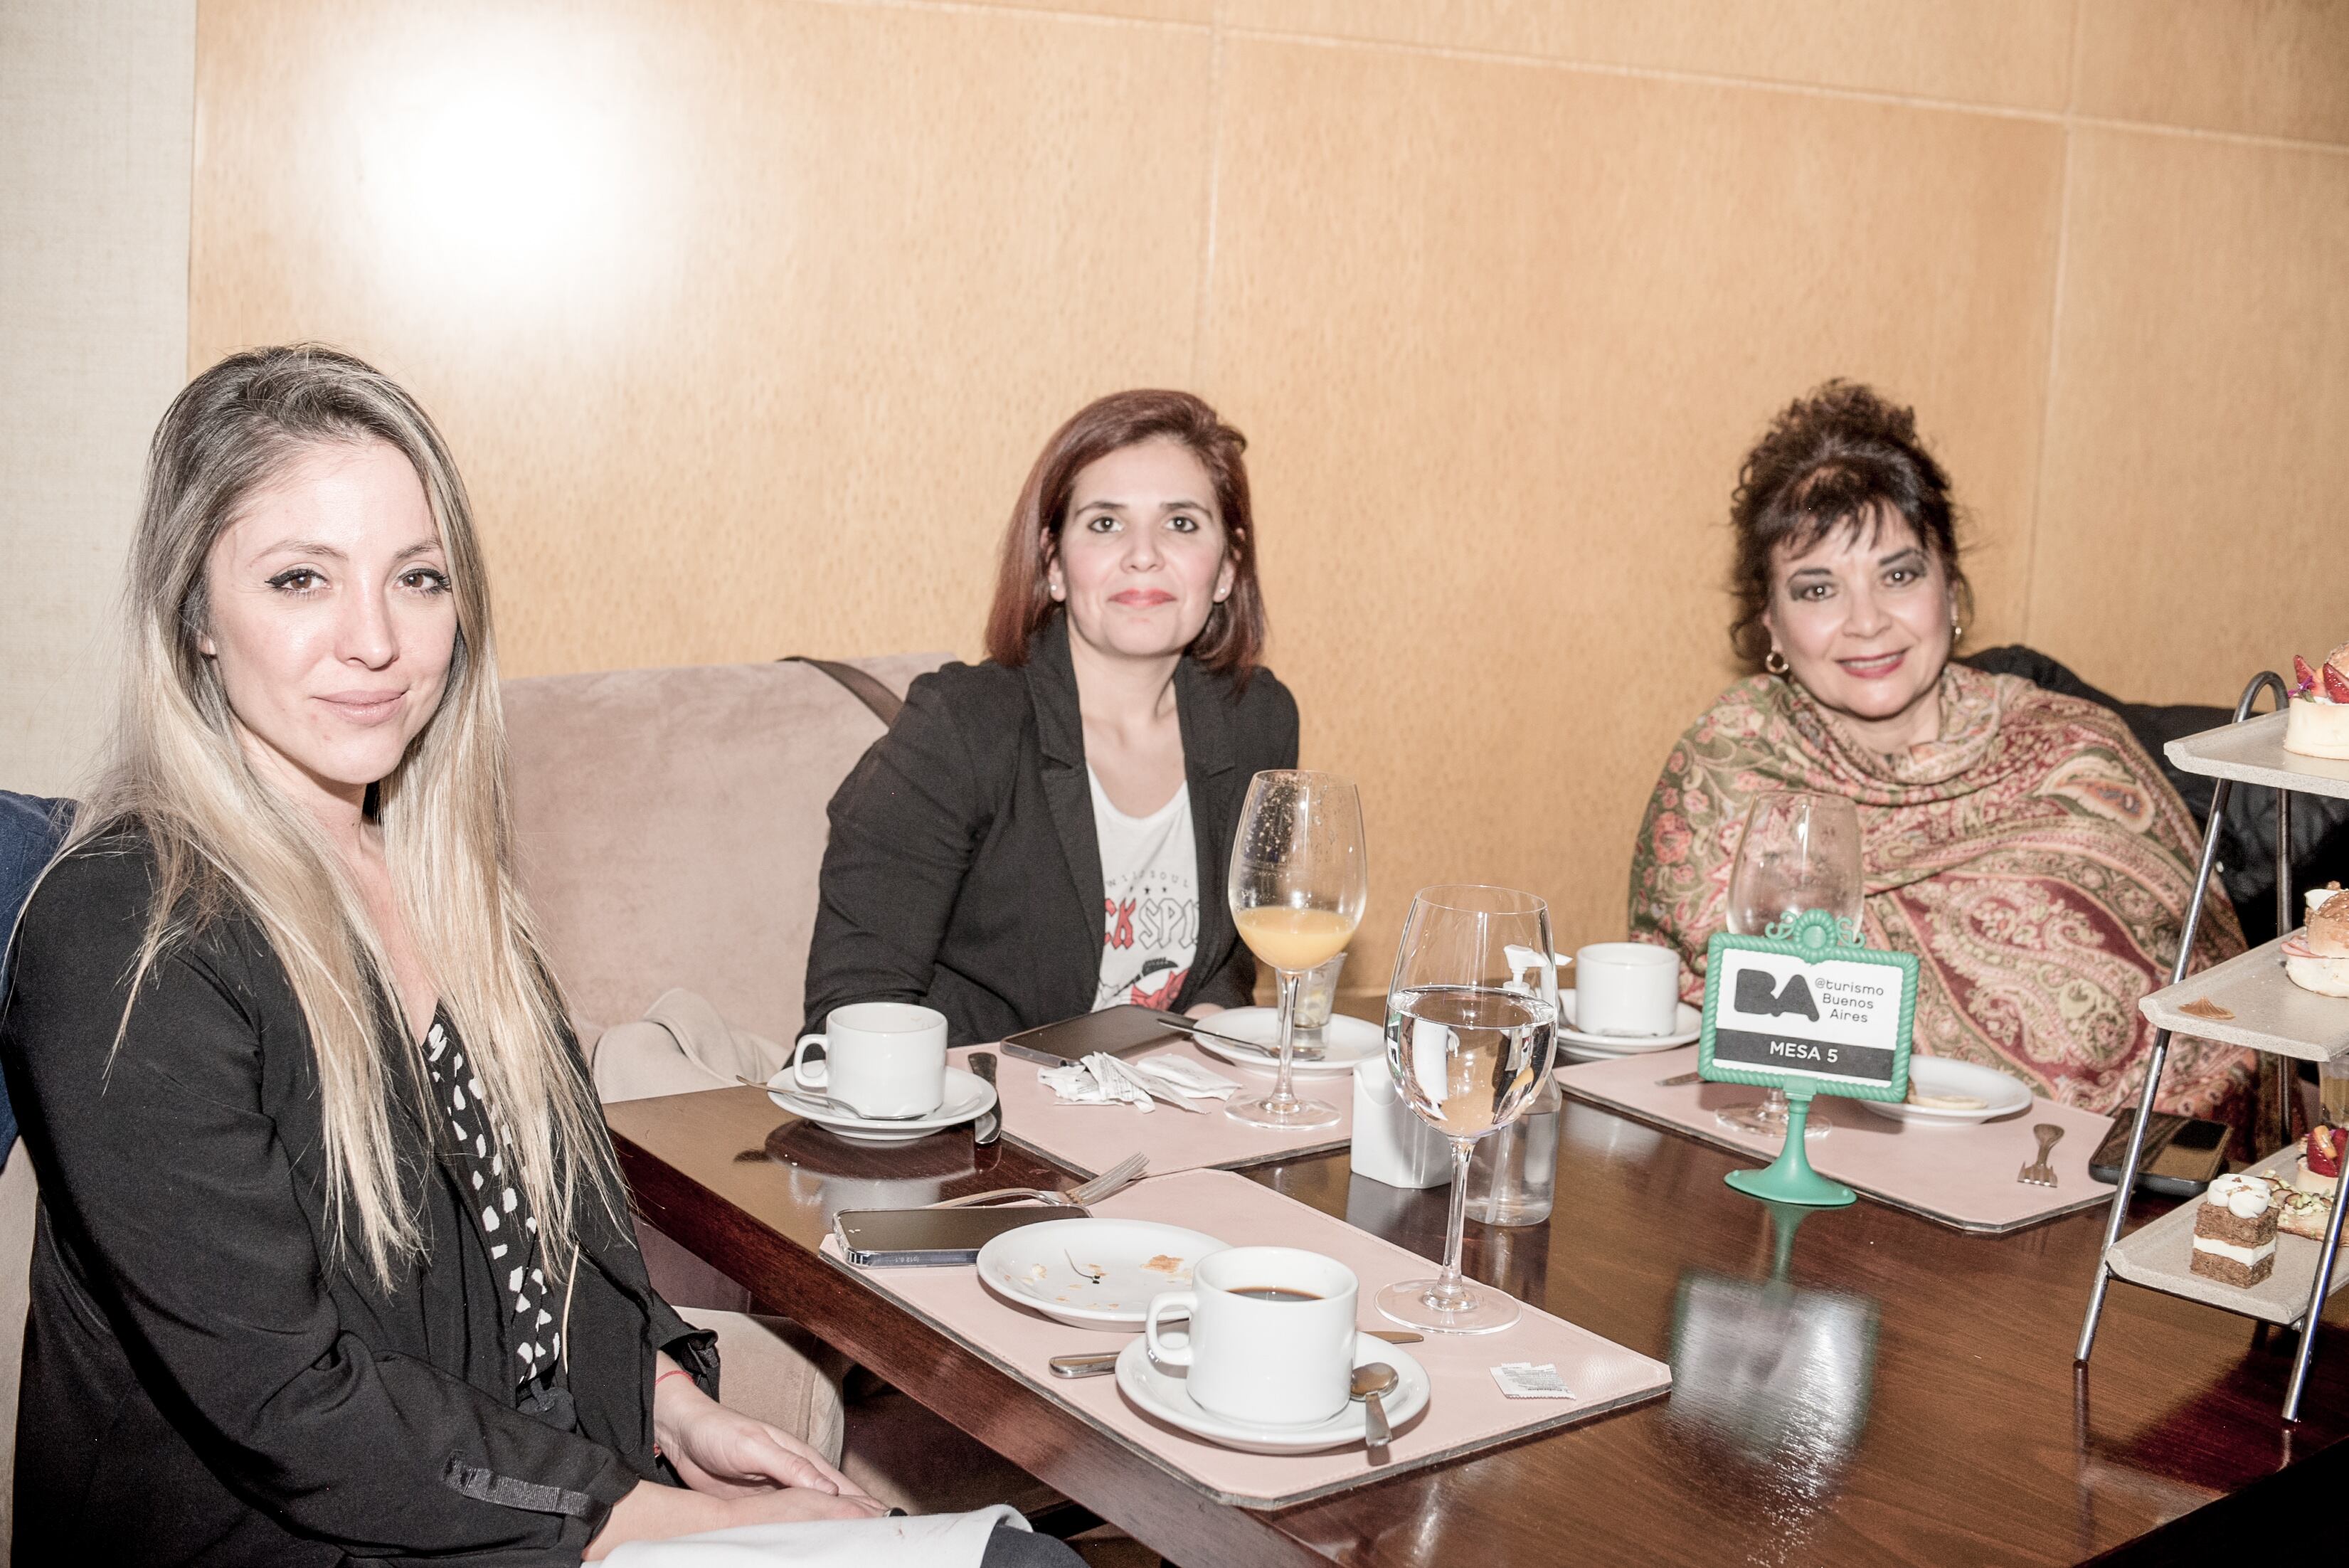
(1013, 851)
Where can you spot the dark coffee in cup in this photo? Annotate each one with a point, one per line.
(1275, 1293)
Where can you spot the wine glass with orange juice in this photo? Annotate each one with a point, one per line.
(1299, 878)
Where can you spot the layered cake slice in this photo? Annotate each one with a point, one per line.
(2235, 1231)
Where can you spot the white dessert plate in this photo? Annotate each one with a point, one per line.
(1344, 1041)
(966, 1095)
(1093, 1272)
(1159, 1393)
(1688, 1023)
(2002, 1096)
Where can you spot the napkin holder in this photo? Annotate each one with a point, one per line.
(1391, 1145)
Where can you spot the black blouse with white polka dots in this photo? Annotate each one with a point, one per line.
(508, 1228)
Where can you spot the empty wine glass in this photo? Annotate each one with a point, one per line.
(1469, 1044)
(1299, 879)
(1800, 851)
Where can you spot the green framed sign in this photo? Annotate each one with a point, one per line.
(1806, 1009)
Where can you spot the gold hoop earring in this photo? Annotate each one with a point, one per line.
(1776, 663)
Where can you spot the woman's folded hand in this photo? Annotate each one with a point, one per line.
(726, 1454)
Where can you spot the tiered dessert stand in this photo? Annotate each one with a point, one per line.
(2260, 1009)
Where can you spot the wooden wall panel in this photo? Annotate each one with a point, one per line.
(2274, 68)
(2193, 529)
(2011, 52)
(745, 318)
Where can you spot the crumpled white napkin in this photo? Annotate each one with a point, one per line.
(1101, 1079)
(1186, 1077)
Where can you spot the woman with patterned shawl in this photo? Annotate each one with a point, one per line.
(2019, 842)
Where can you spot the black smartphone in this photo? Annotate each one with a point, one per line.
(1117, 1030)
(932, 1238)
(2181, 1155)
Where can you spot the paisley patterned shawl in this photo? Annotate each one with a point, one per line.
(2033, 858)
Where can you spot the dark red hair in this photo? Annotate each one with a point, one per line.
(1233, 639)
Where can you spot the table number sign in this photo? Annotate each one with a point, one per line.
(1806, 1009)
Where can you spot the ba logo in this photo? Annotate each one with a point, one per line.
(1756, 1000)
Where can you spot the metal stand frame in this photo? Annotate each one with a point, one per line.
(2285, 921)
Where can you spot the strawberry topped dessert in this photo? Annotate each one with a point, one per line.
(2320, 1159)
(2318, 724)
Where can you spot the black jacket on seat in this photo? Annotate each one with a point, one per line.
(964, 867)
(203, 1386)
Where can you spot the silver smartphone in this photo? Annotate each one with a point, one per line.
(932, 1238)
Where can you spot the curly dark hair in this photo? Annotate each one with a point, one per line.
(1840, 456)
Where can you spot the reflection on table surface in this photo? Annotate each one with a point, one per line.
(1855, 1385)
(1770, 1381)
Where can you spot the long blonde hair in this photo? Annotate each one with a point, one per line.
(225, 840)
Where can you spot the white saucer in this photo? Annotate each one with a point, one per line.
(966, 1095)
(1344, 1041)
(1941, 1075)
(1159, 1393)
(1036, 1266)
(1573, 1042)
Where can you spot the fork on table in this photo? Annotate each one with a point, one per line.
(1116, 1179)
(2039, 1173)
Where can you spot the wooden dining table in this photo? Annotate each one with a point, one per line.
(1855, 1386)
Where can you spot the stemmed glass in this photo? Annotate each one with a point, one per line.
(1469, 1044)
(1299, 878)
(1800, 851)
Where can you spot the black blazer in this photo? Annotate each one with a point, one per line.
(200, 1385)
(963, 868)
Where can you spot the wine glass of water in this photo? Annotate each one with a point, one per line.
(1800, 851)
(1469, 1042)
(1299, 878)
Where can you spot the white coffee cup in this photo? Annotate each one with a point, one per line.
(1627, 989)
(1272, 1335)
(884, 1058)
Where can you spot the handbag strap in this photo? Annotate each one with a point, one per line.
(866, 687)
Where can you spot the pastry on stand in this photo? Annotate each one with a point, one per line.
(2318, 1170)
(2318, 724)
(2235, 1231)
(2316, 957)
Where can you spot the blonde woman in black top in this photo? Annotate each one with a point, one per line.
(333, 1259)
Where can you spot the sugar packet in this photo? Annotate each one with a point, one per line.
(1525, 1380)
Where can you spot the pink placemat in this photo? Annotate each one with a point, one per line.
(1957, 1176)
(1465, 1410)
(1089, 1139)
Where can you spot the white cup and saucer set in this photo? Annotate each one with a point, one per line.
(881, 1075)
(1625, 1002)
(1266, 1363)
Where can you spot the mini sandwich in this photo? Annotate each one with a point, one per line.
(2303, 1214)
(2317, 958)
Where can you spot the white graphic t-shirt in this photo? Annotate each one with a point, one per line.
(1150, 901)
